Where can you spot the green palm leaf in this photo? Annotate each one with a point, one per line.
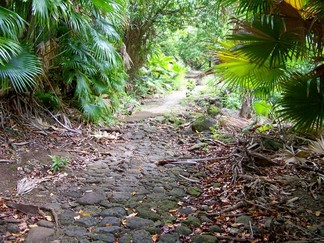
(238, 71)
(11, 24)
(303, 102)
(8, 48)
(21, 71)
(268, 41)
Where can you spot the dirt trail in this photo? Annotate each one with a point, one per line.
(122, 195)
(154, 107)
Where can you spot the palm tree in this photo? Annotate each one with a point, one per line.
(71, 43)
(278, 45)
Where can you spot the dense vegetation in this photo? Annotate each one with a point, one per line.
(92, 54)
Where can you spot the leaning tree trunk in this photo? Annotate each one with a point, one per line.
(245, 111)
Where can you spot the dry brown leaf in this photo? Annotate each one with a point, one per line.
(155, 238)
(318, 213)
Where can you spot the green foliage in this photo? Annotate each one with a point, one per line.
(262, 108)
(71, 53)
(303, 102)
(50, 100)
(161, 73)
(58, 163)
(275, 48)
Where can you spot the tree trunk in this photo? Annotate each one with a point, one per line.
(245, 111)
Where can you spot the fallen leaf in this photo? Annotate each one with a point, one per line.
(318, 213)
(131, 215)
(155, 238)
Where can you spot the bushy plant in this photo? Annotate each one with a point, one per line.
(58, 163)
(161, 73)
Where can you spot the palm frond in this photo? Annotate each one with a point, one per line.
(21, 71)
(8, 49)
(103, 50)
(11, 24)
(107, 28)
(264, 41)
(239, 71)
(303, 102)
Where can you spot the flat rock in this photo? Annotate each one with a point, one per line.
(203, 123)
(148, 214)
(45, 223)
(87, 221)
(194, 191)
(13, 228)
(183, 230)
(91, 198)
(141, 236)
(39, 235)
(169, 238)
(204, 239)
(215, 229)
(110, 221)
(113, 212)
(107, 230)
(108, 238)
(244, 219)
(138, 223)
(75, 231)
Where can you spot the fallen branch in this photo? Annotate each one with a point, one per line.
(33, 210)
(7, 161)
(188, 179)
(189, 161)
(232, 208)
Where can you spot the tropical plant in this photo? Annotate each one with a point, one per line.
(65, 49)
(161, 73)
(58, 163)
(267, 43)
(149, 21)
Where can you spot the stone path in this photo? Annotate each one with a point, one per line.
(126, 197)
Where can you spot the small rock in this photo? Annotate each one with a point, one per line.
(67, 217)
(148, 214)
(138, 223)
(177, 192)
(127, 238)
(39, 235)
(87, 221)
(110, 221)
(45, 223)
(169, 238)
(186, 210)
(141, 236)
(215, 229)
(109, 238)
(196, 146)
(204, 239)
(107, 230)
(234, 231)
(203, 123)
(13, 228)
(192, 221)
(205, 219)
(91, 198)
(204, 207)
(213, 110)
(75, 231)
(217, 185)
(114, 212)
(194, 191)
(268, 222)
(244, 219)
(73, 192)
(183, 230)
